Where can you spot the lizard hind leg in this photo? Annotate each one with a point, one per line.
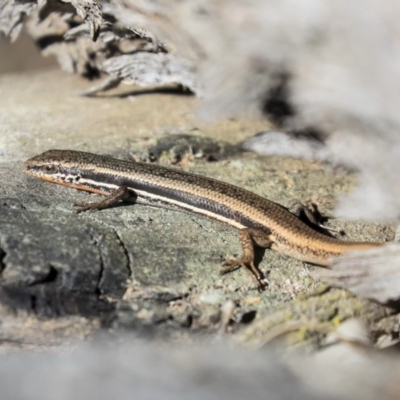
(309, 213)
(249, 237)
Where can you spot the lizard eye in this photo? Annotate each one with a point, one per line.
(49, 168)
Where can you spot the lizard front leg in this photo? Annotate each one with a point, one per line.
(120, 194)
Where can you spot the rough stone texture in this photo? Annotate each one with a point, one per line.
(46, 260)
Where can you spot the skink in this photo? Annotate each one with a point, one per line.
(261, 222)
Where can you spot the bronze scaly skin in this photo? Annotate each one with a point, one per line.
(260, 221)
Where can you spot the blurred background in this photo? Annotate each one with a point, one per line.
(22, 55)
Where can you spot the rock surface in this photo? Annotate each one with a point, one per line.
(148, 270)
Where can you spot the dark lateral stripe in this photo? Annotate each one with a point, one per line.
(195, 202)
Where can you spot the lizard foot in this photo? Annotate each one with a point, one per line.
(235, 263)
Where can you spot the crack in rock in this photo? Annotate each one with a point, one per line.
(125, 250)
(95, 238)
(2, 262)
(114, 261)
(50, 277)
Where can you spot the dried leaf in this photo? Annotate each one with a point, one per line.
(146, 69)
(90, 11)
(12, 14)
